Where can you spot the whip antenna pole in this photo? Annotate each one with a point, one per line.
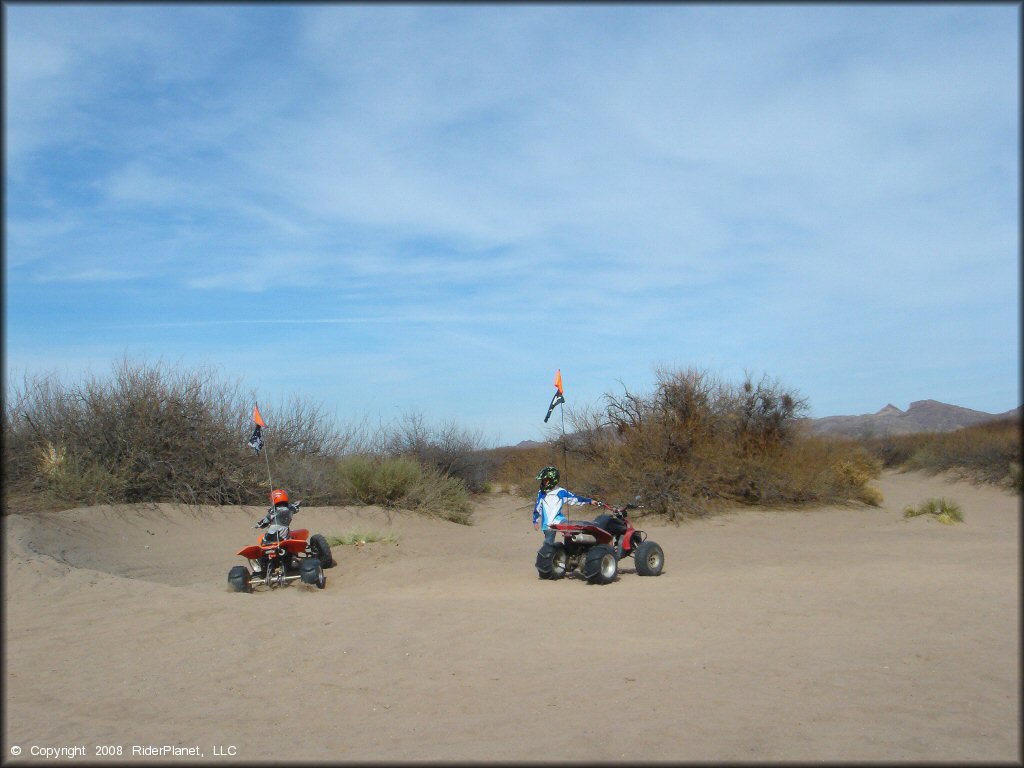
(266, 455)
(565, 447)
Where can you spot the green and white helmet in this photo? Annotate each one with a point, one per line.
(548, 478)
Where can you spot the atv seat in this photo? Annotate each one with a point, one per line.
(610, 523)
(275, 537)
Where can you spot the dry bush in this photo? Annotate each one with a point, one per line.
(696, 442)
(983, 453)
(154, 433)
(446, 448)
(516, 468)
(581, 472)
(148, 432)
(894, 450)
(441, 496)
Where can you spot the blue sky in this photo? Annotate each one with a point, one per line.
(432, 208)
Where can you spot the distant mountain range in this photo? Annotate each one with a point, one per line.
(921, 416)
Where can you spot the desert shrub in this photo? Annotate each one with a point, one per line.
(447, 448)
(515, 468)
(150, 432)
(441, 496)
(400, 482)
(311, 478)
(851, 471)
(983, 453)
(1015, 477)
(944, 510)
(894, 450)
(359, 538)
(367, 479)
(696, 442)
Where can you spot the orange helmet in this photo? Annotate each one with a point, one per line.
(278, 497)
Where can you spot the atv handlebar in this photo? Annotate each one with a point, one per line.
(295, 509)
(617, 510)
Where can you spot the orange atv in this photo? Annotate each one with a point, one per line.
(280, 557)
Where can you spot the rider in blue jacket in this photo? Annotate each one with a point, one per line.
(550, 500)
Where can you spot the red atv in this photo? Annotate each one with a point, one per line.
(282, 556)
(595, 547)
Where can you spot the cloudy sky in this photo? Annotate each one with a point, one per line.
(432, 208)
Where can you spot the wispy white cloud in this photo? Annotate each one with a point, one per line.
(88, 276)
(741, 184)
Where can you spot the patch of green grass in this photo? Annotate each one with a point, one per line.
(358, 538)
(944, 510)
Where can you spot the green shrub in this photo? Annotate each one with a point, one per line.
(376, 480)
(403, 483)
(944, 510)
(358, 538)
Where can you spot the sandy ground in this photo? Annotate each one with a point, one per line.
(840, 634)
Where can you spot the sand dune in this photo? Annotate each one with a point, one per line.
(836, 634)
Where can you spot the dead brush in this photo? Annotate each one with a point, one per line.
(697, 442)
(984, 453)
(52, 460)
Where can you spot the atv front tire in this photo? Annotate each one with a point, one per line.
(312, 572)
(600, 565)
(321, 549)
(238, 579)
(649, 558)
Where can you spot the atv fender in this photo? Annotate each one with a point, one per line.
(253, 552)
(629, 545)
(294, 546)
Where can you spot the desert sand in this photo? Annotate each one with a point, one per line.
(833, 634)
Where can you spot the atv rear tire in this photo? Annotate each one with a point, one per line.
(551, 560)
(238, 579)
(321, 549)
(649, 559)
(600, 565)
(543, 562)
(559, 561)
(312, 572)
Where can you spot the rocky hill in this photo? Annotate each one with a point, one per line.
(921, 416)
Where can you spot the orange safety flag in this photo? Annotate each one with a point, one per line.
(558, 397)
(256, 417)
